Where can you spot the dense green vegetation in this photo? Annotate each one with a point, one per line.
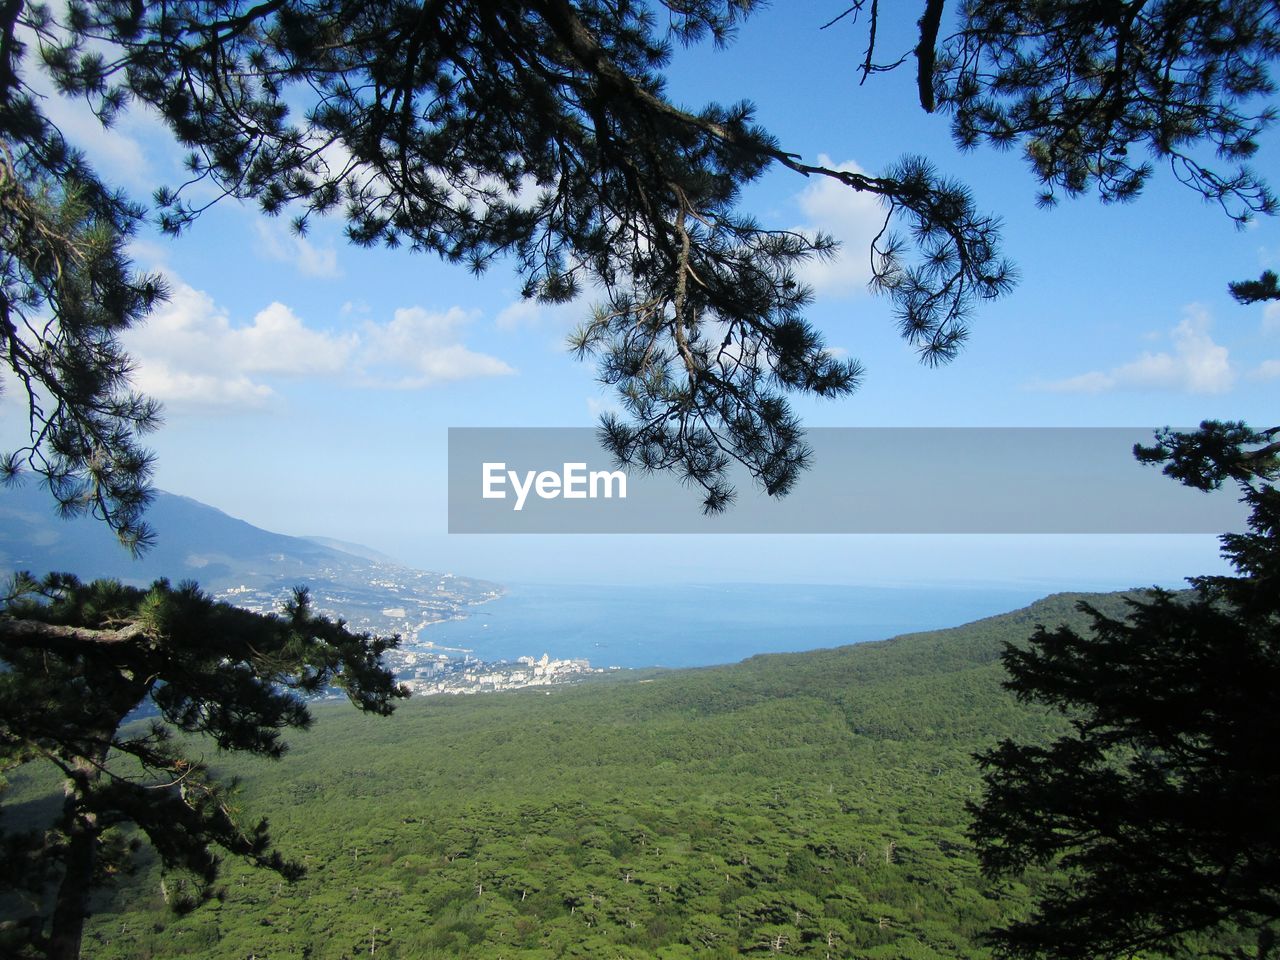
(803, 805)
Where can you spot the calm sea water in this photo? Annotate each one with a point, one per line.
(688, 625)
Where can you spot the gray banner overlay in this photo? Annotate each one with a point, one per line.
(862, 480)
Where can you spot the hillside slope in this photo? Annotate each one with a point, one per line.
(233, 560)
(794, 805)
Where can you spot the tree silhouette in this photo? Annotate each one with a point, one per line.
(537, 131)
(67, 291)
(1256, 291)
(1158, 807)
(1094, 92)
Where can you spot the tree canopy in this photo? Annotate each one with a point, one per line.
(541, 132)
(1095, 92)
(1158, 806)
(80, 661)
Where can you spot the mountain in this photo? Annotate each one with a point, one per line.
(805, 805)
(234, 560)
(355, 549)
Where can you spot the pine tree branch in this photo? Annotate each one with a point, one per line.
(927, 52)
(36, 633)
(586, 48)
(9, 13)
(1266, 287)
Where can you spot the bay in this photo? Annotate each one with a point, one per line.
(691, 625)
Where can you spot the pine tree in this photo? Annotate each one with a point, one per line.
(1158, 808)
(81, 661)
(67, 292)
(1095, 92)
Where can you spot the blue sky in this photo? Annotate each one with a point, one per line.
(309, 385)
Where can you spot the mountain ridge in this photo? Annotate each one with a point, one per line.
(233, 560)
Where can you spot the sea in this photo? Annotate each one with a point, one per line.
(690, 625)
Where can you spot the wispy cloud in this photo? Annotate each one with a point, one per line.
(1267, 370)
(186, 391)
(851, 217)
(118, 151)
(191, 355)
(529, 314)
(598, 406)
(1271, 318)
(420, 348)
(277, 242)
(1196, 364)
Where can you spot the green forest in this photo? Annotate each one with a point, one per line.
(797, 805)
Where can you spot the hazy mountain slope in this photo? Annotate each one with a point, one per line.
(193, 540)
(355, 549)
(232, 559)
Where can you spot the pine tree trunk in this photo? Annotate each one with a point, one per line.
(72, 905)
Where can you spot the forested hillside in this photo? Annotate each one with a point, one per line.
(796, 805)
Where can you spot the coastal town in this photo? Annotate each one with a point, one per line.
(376, 598)
(392, 600)
(427, 672)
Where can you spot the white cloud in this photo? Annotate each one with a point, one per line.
(521, 313)
(851, 217)
(115, 153)
(199, 391)
(190, 329)
(1095, 382)
(181, 355)
(532, 315)
(1268, 370)
(277, 242)
(190, 354)
(419, 348)
(147, 254)
(278, 342)
(1196, 365)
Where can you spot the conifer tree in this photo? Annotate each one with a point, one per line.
(1158, 808)
(84, 664)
